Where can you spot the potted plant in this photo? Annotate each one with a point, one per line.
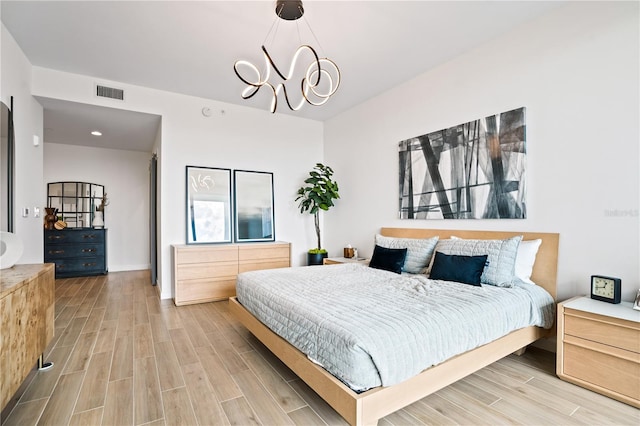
(318, 194)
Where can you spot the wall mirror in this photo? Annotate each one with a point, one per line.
(7, 146)
(75, 202)
(208, 205)
(253, 206)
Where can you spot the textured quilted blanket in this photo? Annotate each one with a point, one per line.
(370, 327)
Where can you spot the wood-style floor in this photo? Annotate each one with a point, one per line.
(123, 357)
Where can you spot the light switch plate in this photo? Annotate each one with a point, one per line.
(25, 212)
(36, 212)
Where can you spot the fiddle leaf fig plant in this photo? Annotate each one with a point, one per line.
(318, 194)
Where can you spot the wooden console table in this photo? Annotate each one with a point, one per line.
(27, 305)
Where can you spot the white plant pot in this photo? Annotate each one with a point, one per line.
(98, 220)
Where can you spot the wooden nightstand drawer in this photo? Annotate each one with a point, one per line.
(614, 372)
(614, 332)
(599, 347)
(339, 260)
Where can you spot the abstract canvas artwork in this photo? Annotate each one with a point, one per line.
(474, 170)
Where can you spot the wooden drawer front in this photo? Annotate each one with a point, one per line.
(87, 235)
(206, 255)
(78, 250)
(257, 252)
(207, 271)
(204, 290)
(612, 332)
(601, 369)
(255, 265)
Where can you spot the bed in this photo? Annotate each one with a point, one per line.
(360, 406)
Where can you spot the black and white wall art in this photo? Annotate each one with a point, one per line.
(474, 170)
(208, 205)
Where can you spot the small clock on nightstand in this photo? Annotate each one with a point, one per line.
(606, 289)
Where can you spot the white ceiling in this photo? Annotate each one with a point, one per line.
(190, 47)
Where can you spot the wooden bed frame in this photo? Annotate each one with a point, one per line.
(367, 407)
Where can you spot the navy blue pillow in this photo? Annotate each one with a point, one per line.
(461, 269)
(388, 259)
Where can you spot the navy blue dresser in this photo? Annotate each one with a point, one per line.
(76, 252)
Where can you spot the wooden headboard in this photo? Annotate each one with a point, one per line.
(545, 269)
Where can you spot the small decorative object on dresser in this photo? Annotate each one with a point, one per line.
(636, 304)
(98, 216)
(51, 217)
(606, 289)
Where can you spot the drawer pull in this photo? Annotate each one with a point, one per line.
(89, 264)
(56, 251)
(89, 236)
(56, 237)
(88, 250)
(59, 266)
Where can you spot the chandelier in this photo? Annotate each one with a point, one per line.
(319, 80)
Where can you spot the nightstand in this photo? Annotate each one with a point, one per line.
(335, 260)
(599, 347)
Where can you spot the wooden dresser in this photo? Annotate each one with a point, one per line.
(204, 273)
(76, 251)
(27, 307)
(599, 347)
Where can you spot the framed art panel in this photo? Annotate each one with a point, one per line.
(475, 170)
(254, 217)
(208, 205)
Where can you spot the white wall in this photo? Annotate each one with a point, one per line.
(576, 72)
(125, 176)
(240, 138)
(15, 81)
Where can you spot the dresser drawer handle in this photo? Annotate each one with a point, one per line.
(56, 251)
(59, 266)
(56, 237)
(88, 250)
(89, 264)
(89, 236)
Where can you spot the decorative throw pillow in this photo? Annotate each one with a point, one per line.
(525, 259)
(501, 257)
(461, 269)
(388, 259)
(419, 251)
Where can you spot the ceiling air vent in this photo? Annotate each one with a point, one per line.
(109, 92)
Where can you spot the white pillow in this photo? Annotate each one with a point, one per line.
(419, 251)
(501, 260)
(525, 259)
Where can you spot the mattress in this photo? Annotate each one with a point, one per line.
(371, 327)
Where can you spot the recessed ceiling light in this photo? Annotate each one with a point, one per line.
(96, 133)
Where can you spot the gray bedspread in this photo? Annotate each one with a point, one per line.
(370, 327)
